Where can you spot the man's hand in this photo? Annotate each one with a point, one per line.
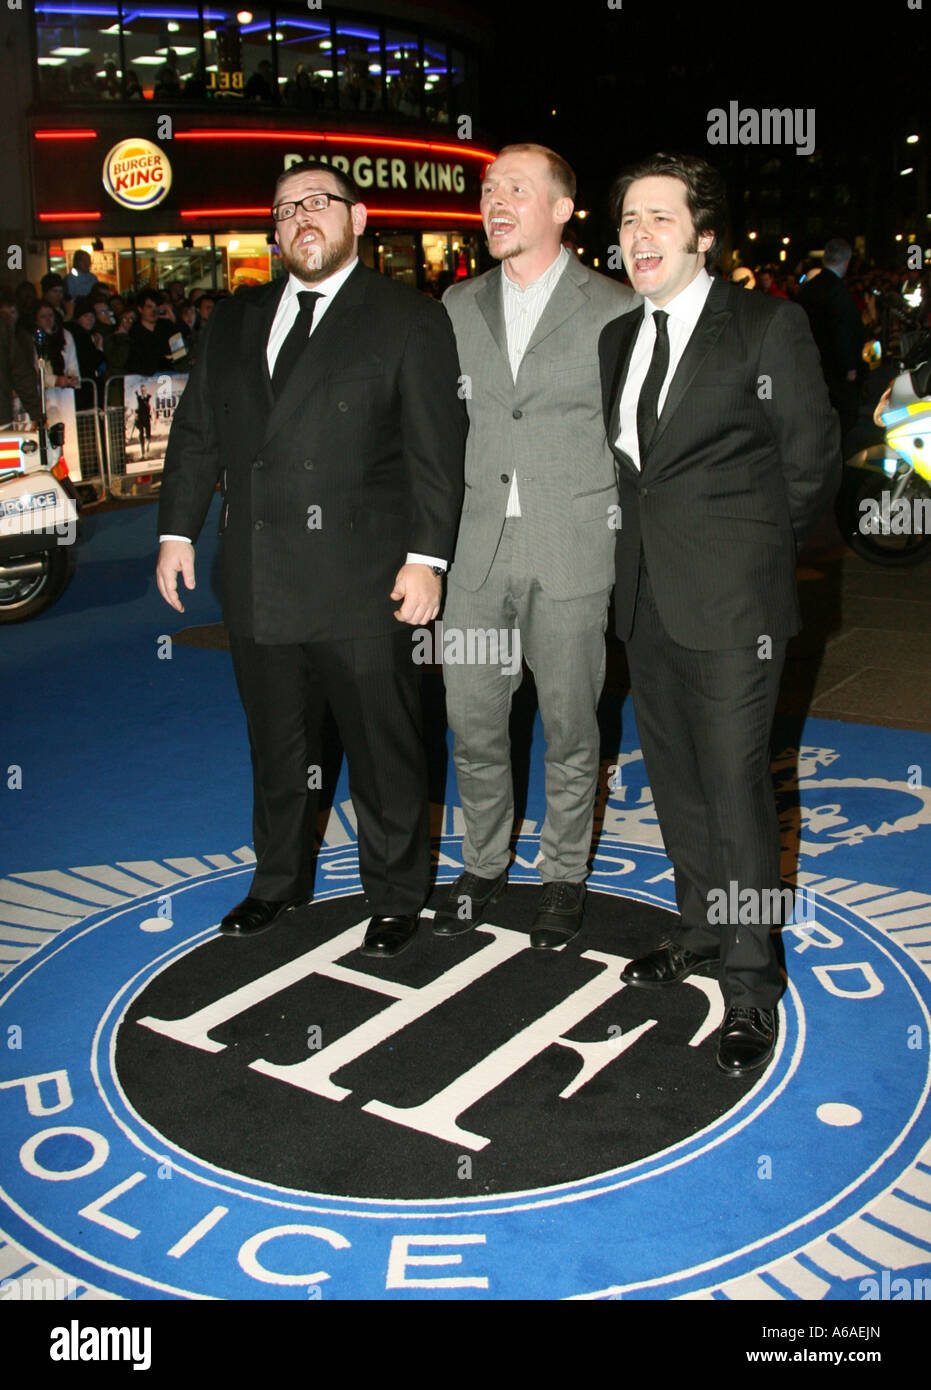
(174, 558)
(421, 591)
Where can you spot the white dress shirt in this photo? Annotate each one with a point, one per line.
(684, 312)
(287, 311)
(289, 308)
(523, 310)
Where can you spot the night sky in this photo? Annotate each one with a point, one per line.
(629, 81)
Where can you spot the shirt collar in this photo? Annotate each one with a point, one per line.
(549, 277)
(688, 303)
(330, 286)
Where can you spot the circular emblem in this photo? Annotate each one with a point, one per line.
(282, 1117)
(137, 174)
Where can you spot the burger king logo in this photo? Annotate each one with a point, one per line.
(136, 174)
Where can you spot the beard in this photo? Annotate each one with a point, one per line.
(322, 258)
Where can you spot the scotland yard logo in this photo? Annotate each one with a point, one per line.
(191, 1116)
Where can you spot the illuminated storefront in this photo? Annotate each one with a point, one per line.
(158, 133)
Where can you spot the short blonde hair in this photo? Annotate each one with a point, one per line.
(560, 173)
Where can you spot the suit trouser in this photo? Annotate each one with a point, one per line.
(704, 720)
(562, 641)
(373, 689)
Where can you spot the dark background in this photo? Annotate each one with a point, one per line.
(626, 82)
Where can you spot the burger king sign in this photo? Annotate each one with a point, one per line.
(137, 174)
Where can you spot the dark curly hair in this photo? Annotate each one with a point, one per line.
(704, 192)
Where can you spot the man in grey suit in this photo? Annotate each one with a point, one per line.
(534, 558)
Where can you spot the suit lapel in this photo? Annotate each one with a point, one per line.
(336, 322)
(488, 299)
(713, 319)
(257, 325)
(566, 299)
(628, 329)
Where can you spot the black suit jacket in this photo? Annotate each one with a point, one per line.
(745, 457)
(327, 489)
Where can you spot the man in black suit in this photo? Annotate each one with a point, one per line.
(727, 452)
(837, 330)
(329, 404)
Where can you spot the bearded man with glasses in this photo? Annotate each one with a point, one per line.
(327, 406)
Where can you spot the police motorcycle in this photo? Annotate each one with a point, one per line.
(884, 505)
(39, 515)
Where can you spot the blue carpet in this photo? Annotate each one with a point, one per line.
(127, 822)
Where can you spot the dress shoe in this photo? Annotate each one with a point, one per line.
(479, 893)
(254, 915)
(388, 936)
(559, 916)
(747, 1041)
(666, 966)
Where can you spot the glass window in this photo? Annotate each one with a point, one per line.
(305, 61)
(461, 94)
(358, 66)
(257, 56)
(402, 73)
(436, 81)
(162, 50)
(78, 53)
(398, 255)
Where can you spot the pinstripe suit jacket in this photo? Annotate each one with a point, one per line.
(745, 457)
(547, 425)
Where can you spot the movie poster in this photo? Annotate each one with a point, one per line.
(149, 407)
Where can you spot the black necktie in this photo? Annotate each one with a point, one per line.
(296, 341)
(648, 403)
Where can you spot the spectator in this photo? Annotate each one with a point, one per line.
(204, 309)
(16, 372)
(134, 90)
(766, 281)
(837, 329)
(117, 304)
(80, 279)
(53, 293)
(27, 300)
(8, 307)
(117, 344)
(58, 351)
(108, 86)
(175, 293)
(260, 86)
(150, 338)
(88, 344)
(168, 82)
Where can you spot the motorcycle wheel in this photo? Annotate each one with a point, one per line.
(888, 549)
(29, 595)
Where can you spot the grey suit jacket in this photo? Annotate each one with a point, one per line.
(547, 425)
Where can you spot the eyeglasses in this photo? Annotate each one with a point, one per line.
(314, 202)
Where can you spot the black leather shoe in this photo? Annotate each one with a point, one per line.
(454, 916)
(747, 1041)
(388, 936)
(254, 915)
(666, 966)
(559, 916)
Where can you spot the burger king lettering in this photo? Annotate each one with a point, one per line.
(137, 174)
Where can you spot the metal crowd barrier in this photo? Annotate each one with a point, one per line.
(91, 484)
(137, 417)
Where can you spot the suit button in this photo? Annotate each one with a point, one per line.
(259, 525)
(259, 463)
(309, 465)
(505, 477)
(644, 492)
(341, 405)
(517, 414)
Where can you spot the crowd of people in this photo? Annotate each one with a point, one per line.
(92, 333)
